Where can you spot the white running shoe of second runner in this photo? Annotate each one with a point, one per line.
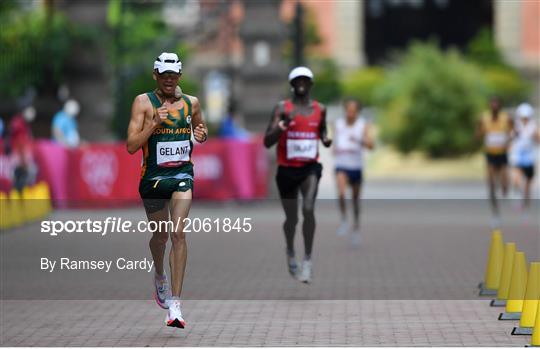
(307, 271)
(174, 315)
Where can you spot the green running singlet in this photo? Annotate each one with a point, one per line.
(167, 153)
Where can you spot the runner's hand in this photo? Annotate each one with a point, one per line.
(200, 133)
(327, 142)
(283, 124)
(160, 115)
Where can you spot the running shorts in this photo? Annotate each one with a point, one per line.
(528, 171)
(354, 176)
(289, 178)
(497, 160)
(155, 193)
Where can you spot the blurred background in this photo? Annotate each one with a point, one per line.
(423, 69)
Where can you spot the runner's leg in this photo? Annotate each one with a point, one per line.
(341, 181)
(527, 190)
(180, 205)
(290, 206)
(491, 172)
(309, 193)
(356, 191)
(503, 172)
(158, 242)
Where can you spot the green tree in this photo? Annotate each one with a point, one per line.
(430, 102)
(139, 35)
(34, 46)
(501, 78)
(327, 87)
(362, 84)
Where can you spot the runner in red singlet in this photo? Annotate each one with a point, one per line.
(297, 126)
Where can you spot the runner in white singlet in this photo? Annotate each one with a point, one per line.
(352, 135)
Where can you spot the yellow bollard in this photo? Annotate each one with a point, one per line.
(44, 198)
(17, 214)
(518, 284)
(6, 221)
(506, 274)
(492, 277)
(535, 340)
(530, 303)
(28, 204)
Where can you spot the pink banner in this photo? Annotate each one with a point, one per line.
(52, 162)
(104, 175)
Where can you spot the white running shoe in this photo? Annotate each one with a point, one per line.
(292, 265)
(307, 271)
(343, 229)
(161, 293)
(174, 315)
(356, 238)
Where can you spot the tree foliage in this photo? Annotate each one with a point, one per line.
(430, 102)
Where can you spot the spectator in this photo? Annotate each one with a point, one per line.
(21, 145)
(64, 125)
(525, 143)
(1, 136)
(229, 128)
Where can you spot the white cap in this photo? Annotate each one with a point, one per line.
(168, 62)
(29, 113)
(524, 110)
(300, 71)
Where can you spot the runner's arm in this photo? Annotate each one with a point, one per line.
(200, 132)
(511, 128)
(367, 140)
(137, 133)
(536, 135)
(275, 127)
(323, 131)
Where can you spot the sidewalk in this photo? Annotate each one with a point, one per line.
(412, 282)
(258, 323)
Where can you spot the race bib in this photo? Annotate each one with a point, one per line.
(496, 139)
(302, 149)
(172, 154)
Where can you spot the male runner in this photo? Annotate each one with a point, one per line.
(352, 135)
(162, 124)
(525, 143)
(495, 128)
(296, 126)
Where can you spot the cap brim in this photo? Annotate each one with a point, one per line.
(300, 76)
(168, 70)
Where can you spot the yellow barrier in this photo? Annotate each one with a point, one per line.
(530, 303)
(17, 209)
(516, 293)
(6, 220)
(535, 340)
(492, 277)
(506, 274)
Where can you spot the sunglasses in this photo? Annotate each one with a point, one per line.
(168, 74)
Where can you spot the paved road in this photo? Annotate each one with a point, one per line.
(412, 282)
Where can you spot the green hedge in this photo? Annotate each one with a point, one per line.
(430, 102)
(363, 84)
(34, 47)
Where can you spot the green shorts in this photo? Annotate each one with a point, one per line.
(155, 193)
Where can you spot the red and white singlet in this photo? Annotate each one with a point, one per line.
(299, 144)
